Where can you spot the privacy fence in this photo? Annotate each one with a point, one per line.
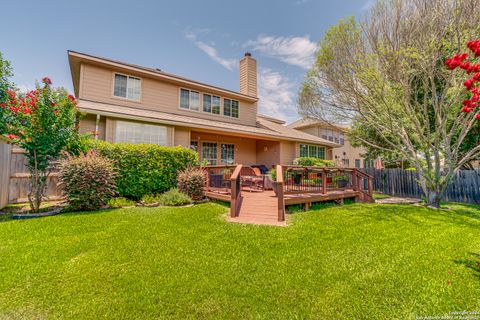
(15, 177)
(465, 185)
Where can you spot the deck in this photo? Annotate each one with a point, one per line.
(253, 204)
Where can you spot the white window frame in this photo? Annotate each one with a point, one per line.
(230, 144)
(200, 100)
(143, 128)
(126, 93)
(317, 148)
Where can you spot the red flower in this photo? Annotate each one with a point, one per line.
(477, 116)
(469, 83)
(11, 136)
(71, 98)
(47, 81)
(11, 94)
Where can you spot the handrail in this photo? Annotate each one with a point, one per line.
(236, 191)
(281, 200)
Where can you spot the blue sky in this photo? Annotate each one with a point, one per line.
(201, 40)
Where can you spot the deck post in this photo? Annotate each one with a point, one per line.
(236, 191)
(281, 200)
(324, 181)
(354, 179)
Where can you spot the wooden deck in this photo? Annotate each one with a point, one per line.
(299, 185)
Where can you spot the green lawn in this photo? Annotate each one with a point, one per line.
(356, 261)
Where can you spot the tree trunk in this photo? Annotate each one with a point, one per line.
(433, 198)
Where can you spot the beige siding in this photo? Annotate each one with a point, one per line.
(337, 154)
(245, 148)
(248, 76)
(288, 152)
(268, 153)
(182, 137)
(87, 125)
(97, 85)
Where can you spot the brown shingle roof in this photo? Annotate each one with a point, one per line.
(264, 129)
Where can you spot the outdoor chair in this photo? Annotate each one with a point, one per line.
(252, 178)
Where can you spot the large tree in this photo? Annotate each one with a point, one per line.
(387, 74)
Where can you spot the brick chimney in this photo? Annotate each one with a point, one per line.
(248, 75)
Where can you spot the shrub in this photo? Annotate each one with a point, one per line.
(191, 181)
(174, 197)
(312, 162)
(145, 168)
(88, 181)
(150, 199)
(120, 202)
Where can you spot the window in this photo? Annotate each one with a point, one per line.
(211, 104)
(335, 137)
(209, 152)
(126, 87)
(357, 163)
(134, 132)
(312, 151)
(230, 108)
(342, 139)
(346, 162)
(215, 105)
(194, 145)
(324, 134)
(189, 100)
(227, 154)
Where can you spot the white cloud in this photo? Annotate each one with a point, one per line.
(298, 51)
(276, 93)
(229, 64)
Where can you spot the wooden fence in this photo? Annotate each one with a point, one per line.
(5, 154)
(15, 178)
(464, 187)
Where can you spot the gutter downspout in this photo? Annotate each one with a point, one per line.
(97, 122)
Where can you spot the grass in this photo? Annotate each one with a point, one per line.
(359, 261)
(379, 196)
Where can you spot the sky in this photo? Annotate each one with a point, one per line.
(200, 40)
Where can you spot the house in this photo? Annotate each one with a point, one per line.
(124, 102)
(344, 156)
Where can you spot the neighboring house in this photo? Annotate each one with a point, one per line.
(130, 103)
(343, 156)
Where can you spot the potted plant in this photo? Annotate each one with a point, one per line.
(340, 181)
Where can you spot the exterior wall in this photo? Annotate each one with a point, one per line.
(87, 125)
(181, 137)
(245, 148)
(288, 152)
(96, 84)
(268, 153)
(337, 154)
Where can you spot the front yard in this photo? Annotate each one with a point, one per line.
(355, 261)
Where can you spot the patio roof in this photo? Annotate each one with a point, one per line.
(264, 129)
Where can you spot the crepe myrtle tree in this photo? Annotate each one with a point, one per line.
(43, 123)
(386, 75)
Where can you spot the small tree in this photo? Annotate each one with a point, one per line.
(42, 122)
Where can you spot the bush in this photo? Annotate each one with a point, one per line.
(174, 197)
(88, 181)
(312, 162)
(120, 202)
(191, 181)
(150, 199)
(145, 168)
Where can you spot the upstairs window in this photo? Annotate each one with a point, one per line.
(211, 104)
(126, 87)
(189, 100)
(230, 108)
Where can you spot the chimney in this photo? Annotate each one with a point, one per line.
(248, 75)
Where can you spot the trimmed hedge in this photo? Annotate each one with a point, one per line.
(312, 162)
(145, 168)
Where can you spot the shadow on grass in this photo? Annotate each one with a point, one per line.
(472, 263)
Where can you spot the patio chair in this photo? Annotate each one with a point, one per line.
(252, 178)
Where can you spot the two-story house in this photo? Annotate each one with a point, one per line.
(130, 103)
(344, 156)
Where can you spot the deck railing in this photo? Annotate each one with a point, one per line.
(236, 195)
(218, 178)
(302, 179)
(279, 189)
